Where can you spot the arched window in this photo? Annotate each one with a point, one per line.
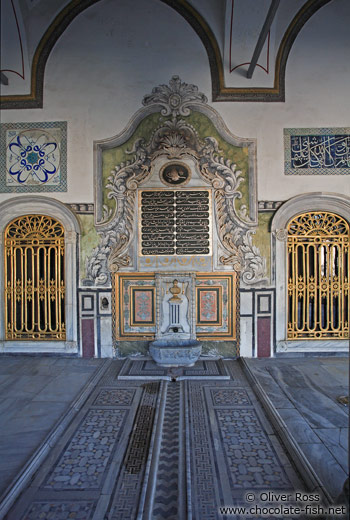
(34, 279)
(317, 203)
(317, 276)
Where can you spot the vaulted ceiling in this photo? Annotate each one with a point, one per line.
(247, 43)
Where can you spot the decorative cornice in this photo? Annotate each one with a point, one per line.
(82, 208)
(268, 205)
(219, 91)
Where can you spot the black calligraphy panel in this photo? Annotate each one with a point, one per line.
(175, 222)
(158, 222)
(192, 222)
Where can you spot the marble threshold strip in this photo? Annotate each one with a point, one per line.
(24, 476)
(188, 459)
(304, 467)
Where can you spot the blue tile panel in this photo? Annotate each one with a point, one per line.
(33, 157)
(317, 151)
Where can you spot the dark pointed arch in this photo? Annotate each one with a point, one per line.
(219, 91)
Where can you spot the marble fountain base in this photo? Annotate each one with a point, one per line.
(175, 353)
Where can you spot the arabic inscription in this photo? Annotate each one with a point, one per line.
(321, 151)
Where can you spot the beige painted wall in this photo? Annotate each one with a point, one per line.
(109, 58)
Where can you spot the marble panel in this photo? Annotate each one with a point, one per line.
(337, 370)
(273, 390)
(344, 438)
(14, 448)
(34, 423)
(318, 409)
(326, 467)
(9, 407)
(290, 376)
(246, 302)
(22, 387)
(4, 379)
(9, 366)
(246, 328)
(106, 337)
(298, 426)
(322, 377)
(331, 438)
(37, 408)
(264, 303)
(62, 388)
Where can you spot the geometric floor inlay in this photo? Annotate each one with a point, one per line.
(250, 458)
(147, 369)
(160, 449)
(230, 396)
(120, 396)
(84, 461)
(57, 510)
(230, 451)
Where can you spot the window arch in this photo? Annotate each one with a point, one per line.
(64, 223)
(318, 202)
(34, 279)
(318, 276)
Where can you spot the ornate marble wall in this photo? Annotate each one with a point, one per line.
(175, 192)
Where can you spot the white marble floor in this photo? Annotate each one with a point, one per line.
(173, 447)
(306, 394)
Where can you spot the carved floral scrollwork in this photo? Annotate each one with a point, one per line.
(234, 227)
(175, 98)
(117, 231)
(115, 259)
(281, 235)
(176, 138)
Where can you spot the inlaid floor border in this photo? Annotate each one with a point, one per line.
(145, 369)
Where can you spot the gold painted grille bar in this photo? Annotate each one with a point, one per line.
(34, 275)
(318, 277)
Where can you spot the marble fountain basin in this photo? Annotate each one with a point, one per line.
(175, 353)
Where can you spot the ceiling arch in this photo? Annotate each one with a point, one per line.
(219, 91)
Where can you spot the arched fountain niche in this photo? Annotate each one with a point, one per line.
(175, 343)
(176, 210)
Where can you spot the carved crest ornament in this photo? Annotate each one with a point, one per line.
(175, 139)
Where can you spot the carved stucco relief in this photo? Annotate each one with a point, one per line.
(176, 138)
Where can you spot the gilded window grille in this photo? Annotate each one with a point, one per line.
(34, 279)
(318, 276)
